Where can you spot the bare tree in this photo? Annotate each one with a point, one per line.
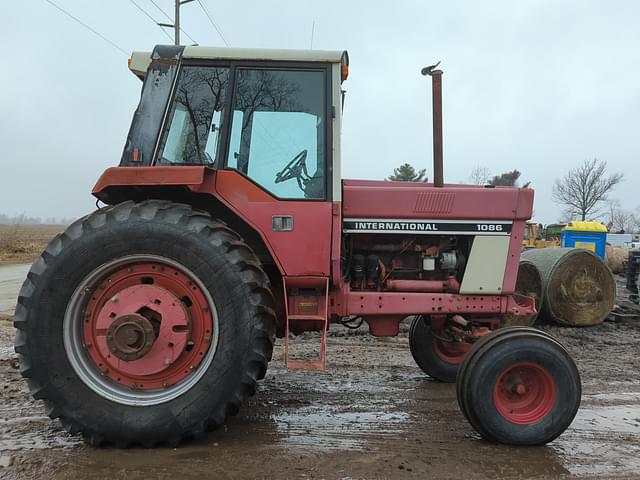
(620, 220)
(584, 188)
(479, 175)
(566, 216)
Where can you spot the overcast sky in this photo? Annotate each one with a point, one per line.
(535, 85)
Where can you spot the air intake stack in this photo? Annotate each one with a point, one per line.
(436, 92)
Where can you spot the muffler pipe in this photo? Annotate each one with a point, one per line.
(436, 93)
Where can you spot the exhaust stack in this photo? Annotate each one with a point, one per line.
(436, 92)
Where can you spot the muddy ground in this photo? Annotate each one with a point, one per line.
(373, 414)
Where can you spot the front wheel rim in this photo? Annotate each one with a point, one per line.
(525, 393)
(141, 330)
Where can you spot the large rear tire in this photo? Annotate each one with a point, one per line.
(144, 323)
(437, 358)
(519, 386)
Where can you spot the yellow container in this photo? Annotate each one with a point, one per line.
(586, 226)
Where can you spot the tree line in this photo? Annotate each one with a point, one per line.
(479, 176)
(23, 219)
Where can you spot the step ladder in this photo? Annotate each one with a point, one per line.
(306, 301)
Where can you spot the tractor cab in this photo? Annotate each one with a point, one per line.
(270, 115)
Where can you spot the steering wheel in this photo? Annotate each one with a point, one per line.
(296, 168)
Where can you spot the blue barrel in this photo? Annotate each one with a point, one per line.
(588, 235)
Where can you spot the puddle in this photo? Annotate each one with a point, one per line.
(338, 430)
(7, 352)
(621, 419)
(617, 397)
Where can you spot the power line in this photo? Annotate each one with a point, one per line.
(213, 23)
(158, 7)
(150, 18)
(171, 19)
(114, 45)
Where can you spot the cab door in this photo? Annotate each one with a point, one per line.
(277, 164)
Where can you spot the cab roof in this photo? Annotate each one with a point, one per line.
(140, 61)
(326, 56)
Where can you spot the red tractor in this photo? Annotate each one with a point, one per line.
(227, 224)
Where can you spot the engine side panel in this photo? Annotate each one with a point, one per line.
(486, 265)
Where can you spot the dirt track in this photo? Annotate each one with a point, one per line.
(372, 415)
(11, 278)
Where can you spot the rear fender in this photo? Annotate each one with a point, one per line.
(192, 185)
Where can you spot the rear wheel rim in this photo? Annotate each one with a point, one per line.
(525, 393)
(450, 352)
(141, 330)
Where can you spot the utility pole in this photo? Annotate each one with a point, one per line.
(176, 22)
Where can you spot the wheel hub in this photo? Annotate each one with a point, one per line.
(130, 337)
(519, 389)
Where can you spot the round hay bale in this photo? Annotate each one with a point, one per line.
(616, 258)
(578, 287)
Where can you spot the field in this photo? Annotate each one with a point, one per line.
(23, 243)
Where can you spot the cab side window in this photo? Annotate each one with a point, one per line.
(194, 132)
(278, 130)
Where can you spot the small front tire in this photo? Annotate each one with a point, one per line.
(519, 388)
